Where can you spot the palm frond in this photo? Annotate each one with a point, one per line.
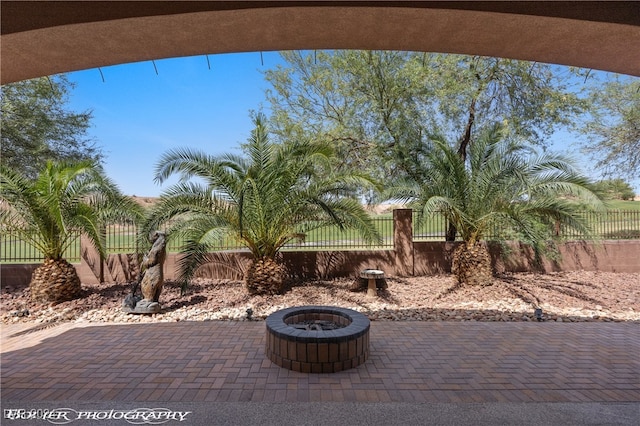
(63, 199)
(502, 182)
(263, 198)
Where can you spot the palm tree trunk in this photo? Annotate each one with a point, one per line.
(55, 281)
(471, 264)
(101, 271)
(451, 232)
(266, 276)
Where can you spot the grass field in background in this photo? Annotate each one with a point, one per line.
(622, 222)
(623, 205)
(15, 250)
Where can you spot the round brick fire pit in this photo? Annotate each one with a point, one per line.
(317, 339)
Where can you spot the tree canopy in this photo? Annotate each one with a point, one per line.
(48, 211)
(38, 126)
(612, 131)
(501, 184)
(65, 197)
(382, 108)
(615, 189)
(271, 195)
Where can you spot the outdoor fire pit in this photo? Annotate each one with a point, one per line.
(317, 339)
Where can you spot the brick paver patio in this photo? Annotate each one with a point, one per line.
(410, 362)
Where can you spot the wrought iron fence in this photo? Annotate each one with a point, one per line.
(332, 238)
(614, 224)
(432, 228)
(13, 249)
(610, 225)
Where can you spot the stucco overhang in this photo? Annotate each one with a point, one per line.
(48, 37)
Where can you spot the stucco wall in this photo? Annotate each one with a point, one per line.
(426, 258)
(408, 258)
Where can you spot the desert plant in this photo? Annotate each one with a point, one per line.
(47, 211)
(500, 182)
(272, 195)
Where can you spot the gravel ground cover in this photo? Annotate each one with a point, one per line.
(566, 297)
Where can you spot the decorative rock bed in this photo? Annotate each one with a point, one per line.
(338, 339)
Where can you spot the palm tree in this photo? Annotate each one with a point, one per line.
(500, 185)
(272, 195)
(49, 211)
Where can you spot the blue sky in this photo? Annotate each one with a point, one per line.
(138, 114)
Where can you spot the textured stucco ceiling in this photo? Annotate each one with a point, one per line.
(48, 37)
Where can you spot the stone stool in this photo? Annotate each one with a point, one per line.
(372, 275)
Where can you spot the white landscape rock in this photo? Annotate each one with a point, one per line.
(593, 297)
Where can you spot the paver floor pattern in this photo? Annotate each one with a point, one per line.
(409, 362)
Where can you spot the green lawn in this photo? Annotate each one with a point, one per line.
(13, 250)
(623, 205)
(122, 239)
(622, 222)
(330, 237)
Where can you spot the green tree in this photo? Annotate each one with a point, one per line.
(65, 198)
(382, 108)
(37, 125)
(612, 131)
(500, 184)
(615, 189)
(362, 102)
(272, 195)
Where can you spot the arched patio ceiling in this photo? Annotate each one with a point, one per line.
(44, 38)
